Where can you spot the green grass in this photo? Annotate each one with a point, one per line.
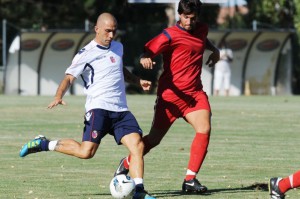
(253, 138)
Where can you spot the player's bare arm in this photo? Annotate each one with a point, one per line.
(131, 78)
(61, 90)
(214, 57)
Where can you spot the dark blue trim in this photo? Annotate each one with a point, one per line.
(92, 77)
(167, 35)
(181, 28)
(103, 47)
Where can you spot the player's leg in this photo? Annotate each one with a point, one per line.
(95, 122)
(200, 120)
(129, 134)
(162, 120)
(135, 146)
(278, 186)
(199, 117)
(160, 126)
(84, 150)
(154, 138)
(150, 141)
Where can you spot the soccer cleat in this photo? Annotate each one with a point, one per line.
(193, 186)
(274, 191)
(121, 169)
(32, 146)
(142, 195)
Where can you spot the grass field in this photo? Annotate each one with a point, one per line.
(253, 138)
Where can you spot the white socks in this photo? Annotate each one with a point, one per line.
(189, 172)
(52, 145)
(138, 180)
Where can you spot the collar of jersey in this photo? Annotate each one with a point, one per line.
(181, 28)
(103, 47)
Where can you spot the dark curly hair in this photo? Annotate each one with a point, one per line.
(189, 7)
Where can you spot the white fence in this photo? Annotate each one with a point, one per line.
(262, 62)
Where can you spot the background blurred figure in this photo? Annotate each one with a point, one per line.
(170, 14)
(229, 8)
(222, 72)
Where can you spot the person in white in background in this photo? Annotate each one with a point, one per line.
(222, 71)
(228, 9)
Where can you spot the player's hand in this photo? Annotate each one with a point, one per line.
(146, 85)
(147, 63)
(213, 58)
(56, 102)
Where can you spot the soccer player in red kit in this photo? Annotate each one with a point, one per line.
(180, 91)
(279, 186)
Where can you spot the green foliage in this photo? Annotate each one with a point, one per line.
(71, 14)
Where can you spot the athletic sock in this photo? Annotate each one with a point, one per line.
(44, 145)
(52, 145)
(139, 186)
(126, 162)
(197, 154)
(293, 181)
(190, 175)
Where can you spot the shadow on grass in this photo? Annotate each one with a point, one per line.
(251, 188)
(172, 193)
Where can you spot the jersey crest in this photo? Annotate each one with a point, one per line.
(112, 59)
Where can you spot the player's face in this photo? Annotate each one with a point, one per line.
(105, 32)
(187, 21)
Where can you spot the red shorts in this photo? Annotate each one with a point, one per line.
(170, 107)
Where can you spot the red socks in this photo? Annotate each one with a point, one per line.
(197, 155)
(126, 162)
(293, 181)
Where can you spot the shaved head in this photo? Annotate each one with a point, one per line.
(105, 29)
(105, 18)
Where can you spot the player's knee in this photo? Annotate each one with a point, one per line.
(86, 155)
(137, 148)
(205, 129)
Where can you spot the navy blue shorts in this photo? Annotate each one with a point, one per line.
(99, 122)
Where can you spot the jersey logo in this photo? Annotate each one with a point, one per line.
(95, 134)
(112, 59)
(88, 116)
(81, 51)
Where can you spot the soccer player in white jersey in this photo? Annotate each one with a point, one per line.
(100, 66)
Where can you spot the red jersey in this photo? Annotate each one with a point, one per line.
(182, 56)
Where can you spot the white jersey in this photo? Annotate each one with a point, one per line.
(101, 69)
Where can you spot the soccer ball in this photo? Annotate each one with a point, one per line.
(121, 186)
